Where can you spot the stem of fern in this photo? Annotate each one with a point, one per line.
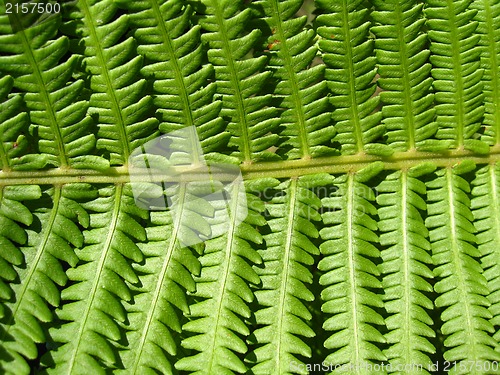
(278, 169)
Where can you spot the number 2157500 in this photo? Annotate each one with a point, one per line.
(25, 8)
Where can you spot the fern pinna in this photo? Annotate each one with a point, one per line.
(251, 119)
(249, 187)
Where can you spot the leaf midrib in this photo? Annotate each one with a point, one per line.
(278, 169)
(351, 258)
(285, 274)
(358, 132)
(409, 119)
(406, 269)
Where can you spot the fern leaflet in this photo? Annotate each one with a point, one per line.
(300, 89)
(60, 118)
(488, 18)
(118, 97)
(485, 206)
(405, 77)
(88, 318)
(223, 294)
(405, 267)
(350, 276)
(348, 54)
(461, 284)
(456, 71)
(252, 121)
(283, 296)
(52, 240)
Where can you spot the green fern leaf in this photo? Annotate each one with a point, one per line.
(488, 18)
(117, 95)
(163, 263)
(241, 80)
(350, 276)
(51, 239)
(92, 304)
(456, 71)
(348, 54)
(164, 277)
(32, 57)
(486, 205)
(461, 285)
(405, 267)
(183, 96)
(13, 213)
(283, 296)
(300, 88)
(14, 122)
(223, 294)
(405, 76)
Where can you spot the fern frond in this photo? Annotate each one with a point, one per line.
(13, 213)
(488, 18)
(283, 296)
(223, 294)
(240, 80)
(58, 116)
(173, 46)
(485, 206)
(92, 302)
(154, 321)
(461, 284)
(301, 89)
(456, 70)
(347, 52)
(14, 124)
(51, 239)
(405, 268)
(405, 75)
(349, 274)
(118, 96)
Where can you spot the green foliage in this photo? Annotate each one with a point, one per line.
(117, 100)
(284, 275)
(351, 291)
(488, 28)
(13, 123)
(300, 89)
(405, 267)
(223, 293)
(46, 247)
(456, 58)
(461, 286)
(240, 79)
(366, 231)
(32, 57)
(405, 75)
(348, 53)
